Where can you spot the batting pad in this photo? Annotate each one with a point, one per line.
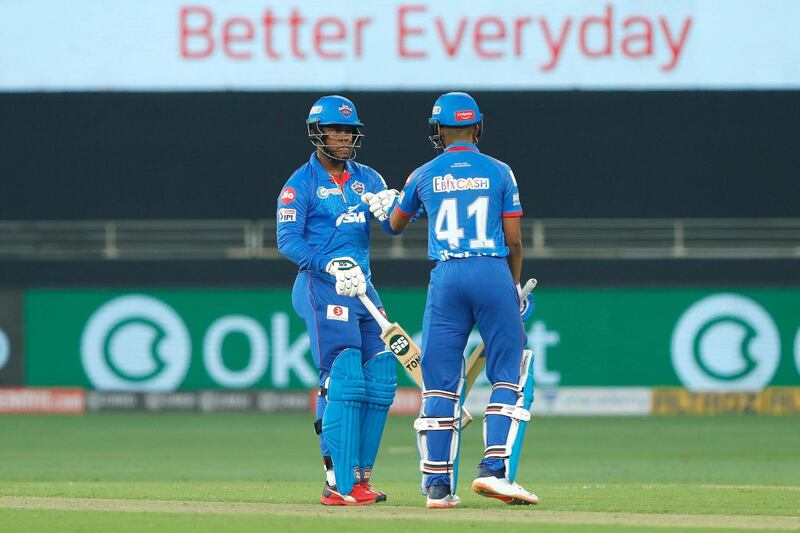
(380, 376)
(342, 418)
(506, 417)
(526, 402)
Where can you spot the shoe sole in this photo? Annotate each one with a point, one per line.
(341, 503)
(441, 505)
(488, 492)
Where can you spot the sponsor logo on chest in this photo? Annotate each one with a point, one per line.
(324, 193)
(338, 312)
(449, 183)
(351, 217)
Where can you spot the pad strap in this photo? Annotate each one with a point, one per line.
(431, 423)
(436, 467)
(440, 394)
(506, 385)
(517, 412)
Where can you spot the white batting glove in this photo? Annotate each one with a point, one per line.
(526, 305)
(350, 280)
(523, 302)
(381, 204)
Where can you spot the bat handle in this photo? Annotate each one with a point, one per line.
(466, 418)
(528, 288)
(376, 314)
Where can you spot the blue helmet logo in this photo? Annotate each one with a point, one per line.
(334, 109)
(454, 110)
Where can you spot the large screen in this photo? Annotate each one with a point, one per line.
(212, 45)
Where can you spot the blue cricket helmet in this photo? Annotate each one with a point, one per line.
(333, 110)
(454, 110)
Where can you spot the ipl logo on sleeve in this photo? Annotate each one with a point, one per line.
(725, 342)
(135, 343)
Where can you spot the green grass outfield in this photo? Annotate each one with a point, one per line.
(257, 472)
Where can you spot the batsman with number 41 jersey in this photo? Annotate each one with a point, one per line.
(474, 214)
(324, 228)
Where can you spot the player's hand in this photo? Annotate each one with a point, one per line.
(381, 204)
(525, 306)
(350, 280)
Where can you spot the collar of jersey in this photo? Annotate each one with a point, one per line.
(461, 147)
(320, 170)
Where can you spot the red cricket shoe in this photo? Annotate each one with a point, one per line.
(358, 496)
(378, 495)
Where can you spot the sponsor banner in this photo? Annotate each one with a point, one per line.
(576, 401)
(630, 401)
(42, 401)
(394, 44)
(703, 340)
(197, 401)
(771, 401)
(11, 361)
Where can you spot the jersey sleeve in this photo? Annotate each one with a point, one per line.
(379, 184)
(409, 202)
(293, 206)
(511, 204)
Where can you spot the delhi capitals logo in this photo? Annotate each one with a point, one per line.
(358, 188)
(345, 110)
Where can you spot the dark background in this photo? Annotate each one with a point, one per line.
(226, 155)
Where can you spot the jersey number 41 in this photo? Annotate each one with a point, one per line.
(447, 228)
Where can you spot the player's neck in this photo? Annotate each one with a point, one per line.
(334, 167)
(450, 142)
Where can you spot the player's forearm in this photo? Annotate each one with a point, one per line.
(293, 247)
(386, 225)
(515, 259)
(398, 222)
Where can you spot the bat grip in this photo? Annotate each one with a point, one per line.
(376, 314)
(528, 288)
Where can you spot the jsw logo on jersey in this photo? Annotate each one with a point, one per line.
(350, 217)
(449, 183)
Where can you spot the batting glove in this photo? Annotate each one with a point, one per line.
(525, 306)
(350, 280)
(381, 204)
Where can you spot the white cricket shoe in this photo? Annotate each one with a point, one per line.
(503, 490)
(439, 497)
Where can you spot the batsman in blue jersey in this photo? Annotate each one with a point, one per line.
(324, 228)
(474, 214)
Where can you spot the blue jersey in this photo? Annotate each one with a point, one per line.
(320, 219)
(466, 195)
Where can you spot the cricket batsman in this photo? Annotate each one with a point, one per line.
(474, 214)
(324, 227)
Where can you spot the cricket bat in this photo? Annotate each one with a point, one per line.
(477, 359)
(404, 348)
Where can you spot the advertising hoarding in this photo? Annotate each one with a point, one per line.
(397, 44)
(705, 340)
